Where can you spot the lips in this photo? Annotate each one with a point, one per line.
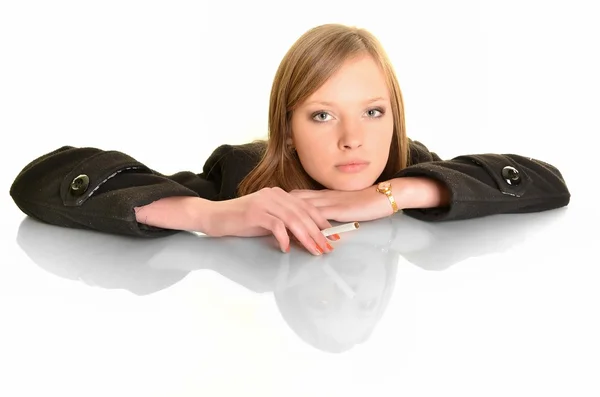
(352, 166)
(353, 162)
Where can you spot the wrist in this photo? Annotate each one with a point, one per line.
(387, 199)
(200, 213)
(209, 215)
(420, 192)
(188, 213)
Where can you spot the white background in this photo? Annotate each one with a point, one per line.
(167, 82)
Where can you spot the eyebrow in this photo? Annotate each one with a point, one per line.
(368, 101)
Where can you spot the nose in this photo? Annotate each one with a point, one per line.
(351, 135)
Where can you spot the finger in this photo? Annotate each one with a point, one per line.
(320, 218)
(275, 216)
(314, 213)
(285, 207)
(303, 193)
(277, 227)
(304, 221)
(314, 218)
(299, 232)
(334, 212)
(319, 202)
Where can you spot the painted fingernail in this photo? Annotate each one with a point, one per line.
(329, 247)
(336, 237)
(319, 250)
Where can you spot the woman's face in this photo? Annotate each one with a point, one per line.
(348, 119)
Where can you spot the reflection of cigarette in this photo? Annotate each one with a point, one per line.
(347, 227)
(349, 292)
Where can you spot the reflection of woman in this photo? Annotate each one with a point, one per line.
(337, 150)
(335, 304)
(331, 302)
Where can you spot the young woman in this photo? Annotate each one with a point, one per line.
(337, 150)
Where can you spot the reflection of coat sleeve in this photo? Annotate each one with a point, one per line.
(487, 184)
(94, 189)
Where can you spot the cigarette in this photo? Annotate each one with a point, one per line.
(347, 227)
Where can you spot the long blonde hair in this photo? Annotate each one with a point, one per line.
(311, 60)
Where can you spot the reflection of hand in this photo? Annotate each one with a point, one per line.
(347, 206)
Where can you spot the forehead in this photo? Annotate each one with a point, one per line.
(357, 80)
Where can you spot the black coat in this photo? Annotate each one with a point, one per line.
(95, 189)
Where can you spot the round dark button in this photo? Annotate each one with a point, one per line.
(511, 175)
(80, 184)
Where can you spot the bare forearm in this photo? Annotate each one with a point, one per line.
(178, 213)
(420, 192)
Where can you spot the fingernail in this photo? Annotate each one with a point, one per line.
(319, 250)
(329, 247)
(336, 237)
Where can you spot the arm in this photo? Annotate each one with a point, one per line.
(109, 191)
(476, 185)
(420, 192)
(177, 213)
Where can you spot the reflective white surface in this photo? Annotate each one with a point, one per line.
(501, 306)
(485, 306)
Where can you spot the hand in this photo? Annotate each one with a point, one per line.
(347, 206)
(271, 210)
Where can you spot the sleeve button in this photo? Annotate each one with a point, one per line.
(511, 175)
(80, 184)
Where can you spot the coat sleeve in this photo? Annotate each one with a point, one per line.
(94, 189)
(487, 184)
